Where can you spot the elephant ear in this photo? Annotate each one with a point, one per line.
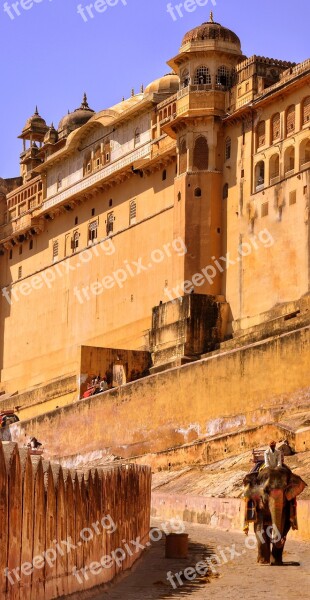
(295, 487)
(250, 479)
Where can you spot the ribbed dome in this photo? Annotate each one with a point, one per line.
(168, 84)
(76, 119)
(211, 31)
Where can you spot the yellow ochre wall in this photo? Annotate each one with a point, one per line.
(235, 389)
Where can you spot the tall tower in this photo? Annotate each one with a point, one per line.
(206, 67)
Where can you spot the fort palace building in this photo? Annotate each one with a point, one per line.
(160, 228)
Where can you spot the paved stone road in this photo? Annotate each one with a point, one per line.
(237, 579)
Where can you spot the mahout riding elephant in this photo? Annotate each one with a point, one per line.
(270, 495)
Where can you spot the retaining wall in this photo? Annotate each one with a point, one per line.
(220, 513)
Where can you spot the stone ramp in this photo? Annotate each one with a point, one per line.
(239, 578)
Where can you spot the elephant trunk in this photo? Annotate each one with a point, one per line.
(276, 507)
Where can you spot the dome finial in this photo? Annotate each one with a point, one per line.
(36, 112)
(84, 102)
(211, 20)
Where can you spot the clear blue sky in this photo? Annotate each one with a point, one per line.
(50, 55)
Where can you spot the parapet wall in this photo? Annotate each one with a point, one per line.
(56, 522)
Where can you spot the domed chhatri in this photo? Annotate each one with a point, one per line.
(168, 84)
(210, 31)
(35, 125)
(77, 118)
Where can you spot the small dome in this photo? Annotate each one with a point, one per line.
(75, 119)
(169, 84)
(51, 136)
(35, 123)
(211, 31)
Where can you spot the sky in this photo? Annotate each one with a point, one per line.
(51, 51)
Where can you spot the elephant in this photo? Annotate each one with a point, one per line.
(270, 495)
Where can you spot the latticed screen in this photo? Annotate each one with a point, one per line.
(261, 134)
(55, 249)
(306, 111)
(290, 120)
(275, 127)
(183, 157)
(132, 212)
(201, 154)
(202, 76)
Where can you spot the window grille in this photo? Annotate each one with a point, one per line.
(202, 76)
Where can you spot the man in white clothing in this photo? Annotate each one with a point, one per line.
(273, 457)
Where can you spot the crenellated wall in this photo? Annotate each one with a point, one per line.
(55, 522)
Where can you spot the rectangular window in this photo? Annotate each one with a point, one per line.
(20, 272)
(292, 198)
(92, 232)
(55, 250)
(265, 209)
(305, 189)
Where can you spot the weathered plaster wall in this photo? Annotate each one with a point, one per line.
(217, 394)
(220, 513)
(41, 502)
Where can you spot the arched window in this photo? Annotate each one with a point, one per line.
(227, 148)
(185, 78)
(197, 193)
(274, 167)
(179, 196)
(201, 154)
(202, 76)
(275, 127)
(261, 134)
(290, 119)
(260, 174)
(306, 111)
(304, 152)
(225, 191)
(183, 157)
(132, 212)
(137, 136)
(223, 77)
(289, 159)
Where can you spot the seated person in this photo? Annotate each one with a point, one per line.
(273, 457)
